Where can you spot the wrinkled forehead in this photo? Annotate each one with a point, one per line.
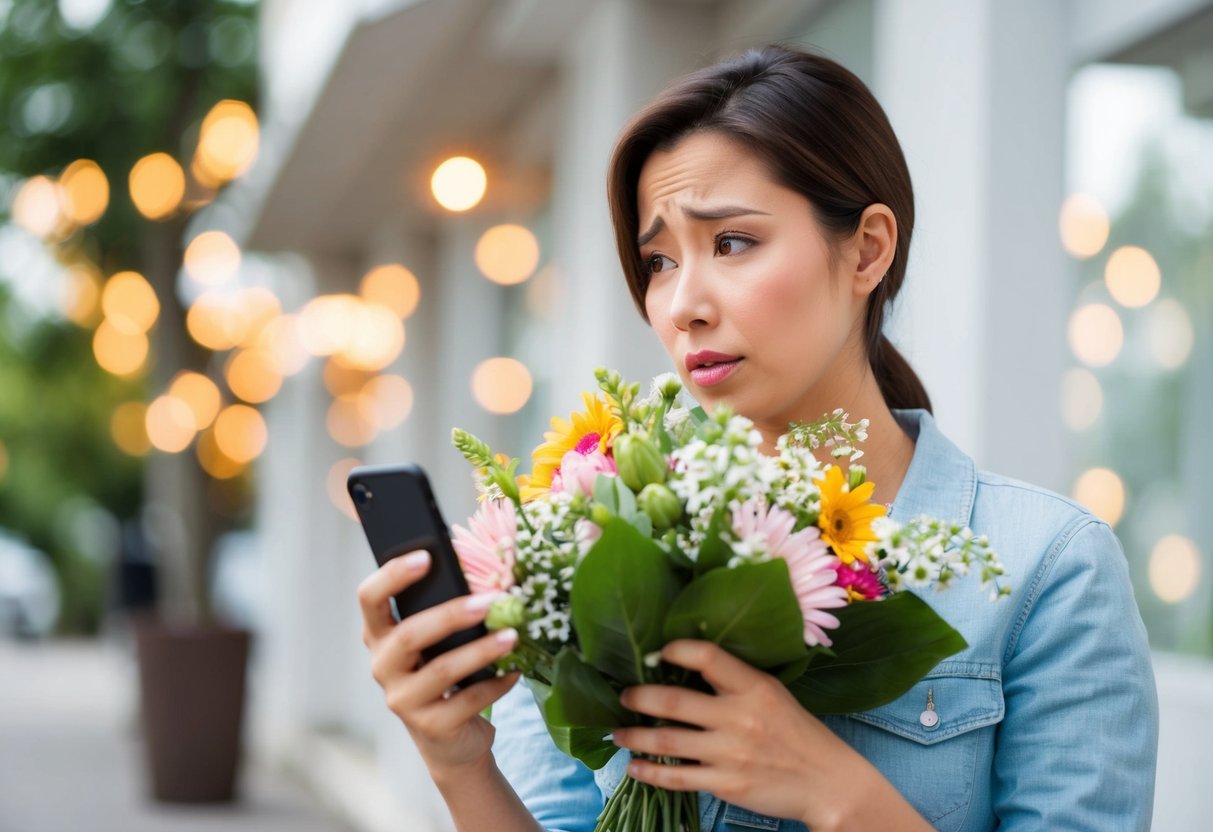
(702, 168)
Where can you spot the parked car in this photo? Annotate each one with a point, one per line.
(29, 591)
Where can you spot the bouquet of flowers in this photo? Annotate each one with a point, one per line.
(643, 521)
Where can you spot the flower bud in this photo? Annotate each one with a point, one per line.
(661, 505)
(639, 461)
(506, 611)
(857, 475)
(600, 515)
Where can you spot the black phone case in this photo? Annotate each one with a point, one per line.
(399, 514)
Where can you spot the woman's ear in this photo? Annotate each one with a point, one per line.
(874, 245)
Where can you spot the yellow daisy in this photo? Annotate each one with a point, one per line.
(846, 516)
(592, 429)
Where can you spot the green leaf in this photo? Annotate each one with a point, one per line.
(881, 649)
(714, 552)
(582, 698)
(604, 492)
(621, 591)
(585, 744)
(750, 611)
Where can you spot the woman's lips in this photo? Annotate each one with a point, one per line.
(708, 376)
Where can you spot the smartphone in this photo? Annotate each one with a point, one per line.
(399, 514)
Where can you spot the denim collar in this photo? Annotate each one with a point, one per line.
(941, 480)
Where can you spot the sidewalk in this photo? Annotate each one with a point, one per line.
(71, 758)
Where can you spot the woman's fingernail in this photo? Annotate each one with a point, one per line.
(507, 636)
(480, 601)
(416, 560)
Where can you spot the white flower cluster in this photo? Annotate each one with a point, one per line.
(795, 489)
(927, 551)
(548, 548)
(724, 470)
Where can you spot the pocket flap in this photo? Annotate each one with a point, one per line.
(962, 695)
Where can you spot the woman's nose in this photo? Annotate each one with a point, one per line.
(692, 304)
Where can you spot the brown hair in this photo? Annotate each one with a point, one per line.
(821, 133)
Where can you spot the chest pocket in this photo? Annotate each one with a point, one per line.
(935, 743)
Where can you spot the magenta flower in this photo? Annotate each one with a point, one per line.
(486, 551)
(860, 582)
(578, 471)
(810, 564)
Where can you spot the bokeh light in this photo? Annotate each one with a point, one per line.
(87, 191)
(1081, 398)
(352, 420)
(1084, 226)
(117, 352)
(213, 460)
(260, 307)
(227, 142)
(507, 254)
(130, 303)
(501, 385)
(170, 424)
(392, 398)
(157, 185)
(128, 427)
(212, 258)
(325, 323)
(216, 321)
(459, 183)
(253, 375)
(393, 286)
(282, 339)
(1174, 568)
(1096, 334)
(38, 206)
(240, 433)
(340, 378)
(374, 339)
(1169, 333)
(1103, 492)
(335, 485)
(80, 299)
(1132, 276)
(200, 394)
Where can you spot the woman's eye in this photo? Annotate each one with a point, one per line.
(727, 245)
(655, 263)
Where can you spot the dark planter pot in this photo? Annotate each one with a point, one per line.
(191, 683)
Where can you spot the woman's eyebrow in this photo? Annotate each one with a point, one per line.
(723, 212)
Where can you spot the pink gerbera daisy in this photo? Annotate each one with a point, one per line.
(810, 564)
(486, 551)
(860, 582)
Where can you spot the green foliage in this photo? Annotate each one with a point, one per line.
(621, 591)
(749, 610)
(137, 83)
(881, 649)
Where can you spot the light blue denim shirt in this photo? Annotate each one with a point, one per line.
(1048, 720)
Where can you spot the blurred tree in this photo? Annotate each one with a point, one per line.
(113, 81)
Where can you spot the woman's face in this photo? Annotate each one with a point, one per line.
(741, 290)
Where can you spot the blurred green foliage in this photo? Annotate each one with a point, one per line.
(136, 80)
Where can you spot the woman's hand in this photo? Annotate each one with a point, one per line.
(449, 732)
(756, 747)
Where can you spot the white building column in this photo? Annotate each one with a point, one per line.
(623, 54)
(975, 92)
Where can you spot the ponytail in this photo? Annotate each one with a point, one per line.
(899, 384)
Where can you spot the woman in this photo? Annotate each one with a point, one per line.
(763, 211)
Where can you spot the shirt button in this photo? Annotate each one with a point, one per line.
(929, 719)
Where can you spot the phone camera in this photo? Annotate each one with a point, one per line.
(362, 494)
